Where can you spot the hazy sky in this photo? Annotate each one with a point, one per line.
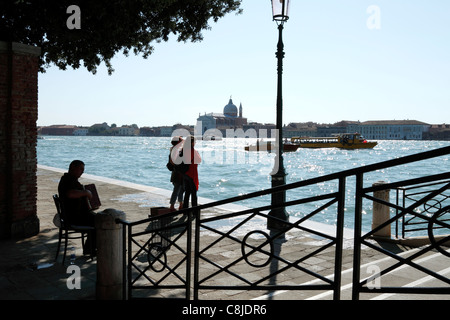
(345, 60)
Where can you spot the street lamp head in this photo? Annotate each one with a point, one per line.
(280, 10)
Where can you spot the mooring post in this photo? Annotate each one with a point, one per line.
(109, 284)
(381, 212)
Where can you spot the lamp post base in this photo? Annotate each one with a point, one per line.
(278, 199)
(276, 225)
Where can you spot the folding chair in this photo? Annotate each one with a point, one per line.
(69, 231)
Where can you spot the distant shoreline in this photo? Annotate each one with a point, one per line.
(374, 130)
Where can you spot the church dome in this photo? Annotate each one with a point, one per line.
(230, 109)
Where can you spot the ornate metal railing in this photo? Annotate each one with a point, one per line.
(437, 185)
(245, 256)
(202, 251)
(412, 224)
(225, 244)
(158, 255)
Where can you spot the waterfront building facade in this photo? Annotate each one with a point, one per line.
(391, 129)
(293, 129)
(58, 130)
(127, 131)
(438, 132)
(231, 118)
(81, 132)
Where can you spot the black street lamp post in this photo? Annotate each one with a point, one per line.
(280, 9)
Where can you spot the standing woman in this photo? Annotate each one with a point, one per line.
(176, 178)
(191, 157)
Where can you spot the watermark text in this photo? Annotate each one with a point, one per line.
(74, 20)
(374, 20)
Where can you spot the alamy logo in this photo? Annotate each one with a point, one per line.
(74, 280)
(373, 282)
(74, 20)
(226, 152)
(374, 20)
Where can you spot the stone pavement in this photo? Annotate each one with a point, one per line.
(28, 270)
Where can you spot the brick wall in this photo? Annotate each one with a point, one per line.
(18, 136)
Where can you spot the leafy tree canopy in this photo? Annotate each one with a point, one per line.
(102, 28)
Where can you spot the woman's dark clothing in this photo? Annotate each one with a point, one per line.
(190, 191)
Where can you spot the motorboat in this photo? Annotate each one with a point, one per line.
(342, 141)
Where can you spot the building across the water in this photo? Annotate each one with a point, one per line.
(231, 118)
(391, 129)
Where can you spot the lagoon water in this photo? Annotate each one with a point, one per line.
(228, 170)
